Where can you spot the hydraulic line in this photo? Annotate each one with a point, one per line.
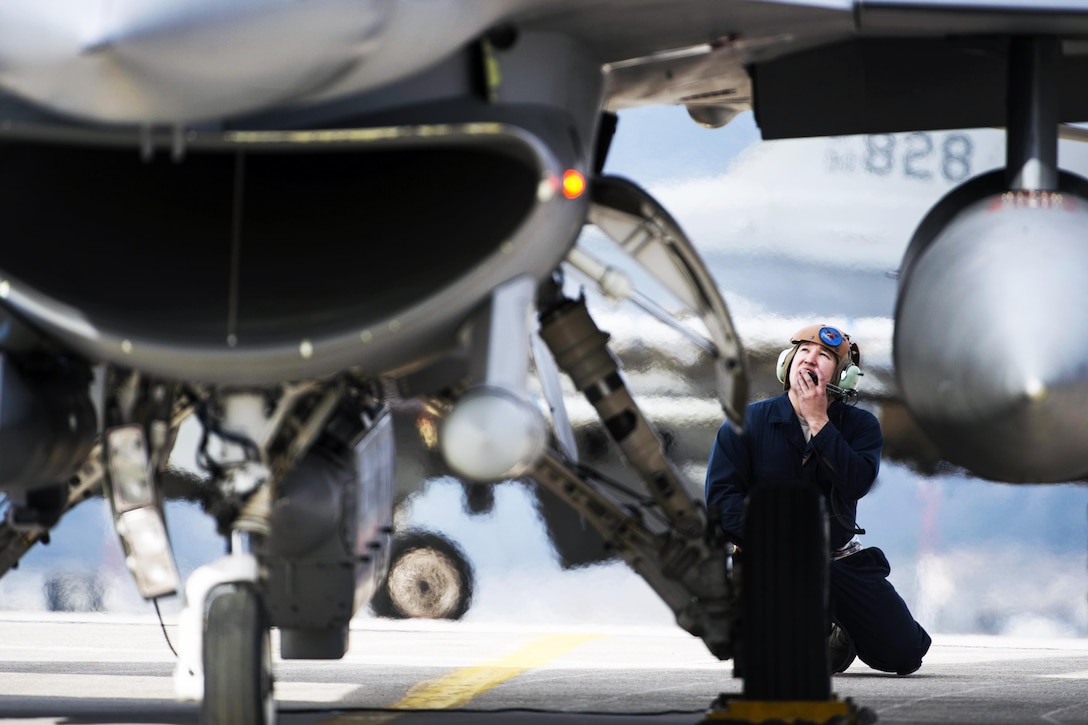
(581, 351)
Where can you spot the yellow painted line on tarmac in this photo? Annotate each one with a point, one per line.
(462, 685)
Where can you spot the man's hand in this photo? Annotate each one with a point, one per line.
(811, 397)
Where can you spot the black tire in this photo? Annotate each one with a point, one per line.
(429, 577)
(237, 661)
(784, 595)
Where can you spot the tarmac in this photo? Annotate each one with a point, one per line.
(63, 669)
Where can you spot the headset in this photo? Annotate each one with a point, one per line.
(848, 380)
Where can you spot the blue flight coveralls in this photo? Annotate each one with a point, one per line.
(842, 460)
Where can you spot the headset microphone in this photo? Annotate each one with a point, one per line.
(844, 394)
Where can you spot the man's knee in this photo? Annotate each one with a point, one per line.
(902, 655)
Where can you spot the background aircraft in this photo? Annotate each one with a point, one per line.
(351, 219)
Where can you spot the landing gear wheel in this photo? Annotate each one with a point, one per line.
(429, 578)
(784, 595)
(237, 661)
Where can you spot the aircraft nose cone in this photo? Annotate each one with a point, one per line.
(991, 343)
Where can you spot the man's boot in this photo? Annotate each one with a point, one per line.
(841, 647)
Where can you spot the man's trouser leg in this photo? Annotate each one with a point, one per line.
(867, 606)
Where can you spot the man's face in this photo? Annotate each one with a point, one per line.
(814, 357)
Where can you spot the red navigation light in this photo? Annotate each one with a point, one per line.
(574, 184)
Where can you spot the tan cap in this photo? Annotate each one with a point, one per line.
(826, 335)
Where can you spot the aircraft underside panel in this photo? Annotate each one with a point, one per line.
(889, 84)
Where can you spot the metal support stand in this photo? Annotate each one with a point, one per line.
(796, 712)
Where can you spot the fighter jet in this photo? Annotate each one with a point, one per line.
(277, 218)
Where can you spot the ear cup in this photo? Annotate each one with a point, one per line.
(850, 377)
(782, 364)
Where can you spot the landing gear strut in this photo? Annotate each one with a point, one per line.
(303, 485)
